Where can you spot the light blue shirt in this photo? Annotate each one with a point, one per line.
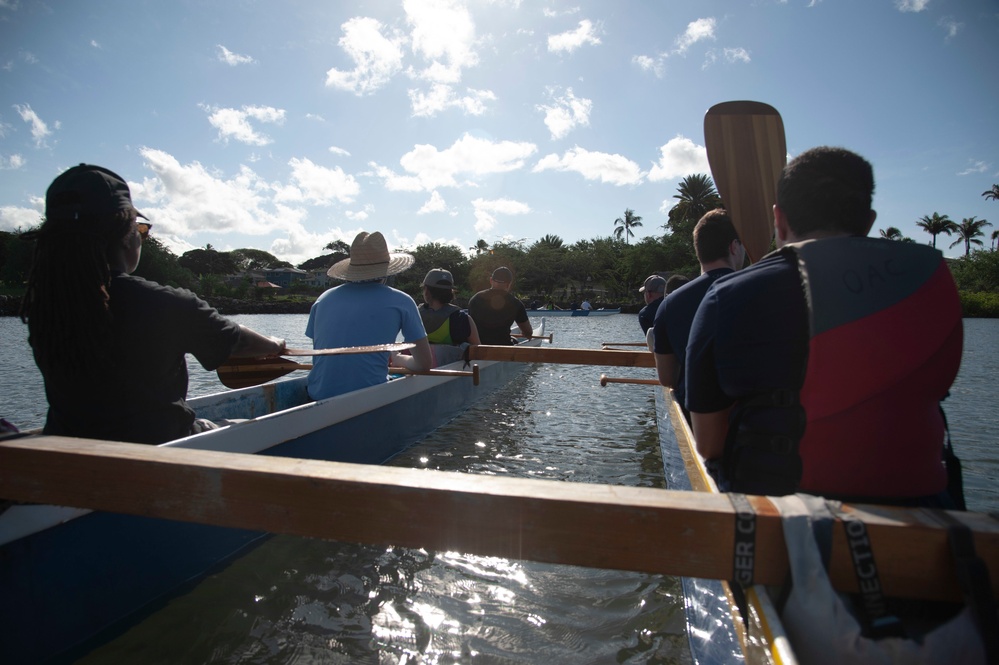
(358, 314)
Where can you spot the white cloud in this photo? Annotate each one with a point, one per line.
(736, 55)
(39, 129)
(977, 166)
(679, 157)
(950, 26)
(444, 34)
(613, 169)
(96, 44)
(359, 215)
(188, 199)
(376, 57)
(574, 39)
(701, 29)
(650, 64)
(429, 168)
(911, 5)
(315, 116)
(235, 123)
(11, 163)
(486, 211)
(441, 97)
(566, 113)
(320, 185)
(233, 59)
(13, 218)
(436, 203)
(339, 151)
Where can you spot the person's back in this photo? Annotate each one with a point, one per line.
(653, 291)
(719, 253)
(840, 399)
(111, 347)
(495, 310)
(363, 312)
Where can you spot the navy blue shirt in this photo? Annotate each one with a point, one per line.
(750, 334)
(673, 320)
(647, 315)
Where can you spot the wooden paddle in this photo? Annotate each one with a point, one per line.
(543, 338)
(605, 344)
(347, 350)
(246, 372)
(547, 354)
(604, 380)
(747, 151)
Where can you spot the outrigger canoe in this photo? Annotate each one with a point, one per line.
(573, 312)
(69, 576)
(715, 629)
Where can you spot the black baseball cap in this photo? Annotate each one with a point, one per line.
(89, 193)
(503, 274)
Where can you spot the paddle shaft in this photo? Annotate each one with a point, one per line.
(547, 354)
(747, 151)
(543, 338)
(256, 371)
(604, 380)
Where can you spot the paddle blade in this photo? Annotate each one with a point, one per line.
(246, 372)
(747, 151)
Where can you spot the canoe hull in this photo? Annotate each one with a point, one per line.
(69, 586)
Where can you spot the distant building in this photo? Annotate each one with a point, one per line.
(284, 277)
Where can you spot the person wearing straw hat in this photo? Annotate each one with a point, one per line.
(450, 330)
(361, 312)
(111, 346)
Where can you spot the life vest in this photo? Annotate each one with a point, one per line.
(885, 341)
(438, 323)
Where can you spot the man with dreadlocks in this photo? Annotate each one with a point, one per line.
(111, 347)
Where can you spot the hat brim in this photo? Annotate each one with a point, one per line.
(397, 263)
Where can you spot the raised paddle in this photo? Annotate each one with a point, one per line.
(547, 354)
(746, 151)
(604, 380)
(246, 372)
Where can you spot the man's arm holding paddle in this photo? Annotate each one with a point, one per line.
(252, 344)
(421, 359)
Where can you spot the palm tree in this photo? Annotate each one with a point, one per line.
(480, 246)
(891, 233)
(623, 225)
(697, 195)
(550, 241)
(995, 239)
(969, 231)
(936, 224)
(992, 194)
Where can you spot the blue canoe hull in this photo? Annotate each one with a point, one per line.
(72, 586)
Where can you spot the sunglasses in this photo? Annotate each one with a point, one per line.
(144, 229)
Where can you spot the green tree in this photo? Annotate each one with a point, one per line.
(936, 224)
(995, 238)
(969, 231)
(158, 264)
(16, 254)
(696, 195)
(992, 194)
(623, 225)
(894, 233)
(256, 259)
(480, 246)
(208, 261)
(429, 256)
(977, 273)
(339, 247)
(545, 267)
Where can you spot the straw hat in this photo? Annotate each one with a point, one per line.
(370, 259)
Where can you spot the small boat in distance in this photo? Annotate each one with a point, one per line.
(573, 312)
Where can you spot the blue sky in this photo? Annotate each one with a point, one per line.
(286, 125)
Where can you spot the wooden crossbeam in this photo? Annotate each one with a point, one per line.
(602, 526)
(548, 354)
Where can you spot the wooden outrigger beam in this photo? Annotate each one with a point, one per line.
(548, 354)
(601, 526)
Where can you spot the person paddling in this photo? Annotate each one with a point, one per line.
(111, 346)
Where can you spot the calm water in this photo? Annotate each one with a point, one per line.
(296, 600)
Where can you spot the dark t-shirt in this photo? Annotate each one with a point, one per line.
(673, 320)
(750, 333)
(647, 315)
(494, 311)
(141, 396)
